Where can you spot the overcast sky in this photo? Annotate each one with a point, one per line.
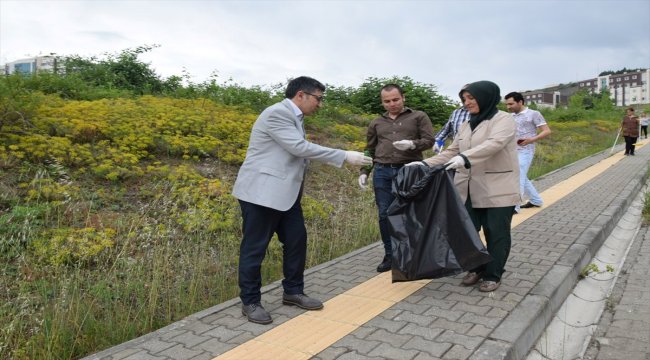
(520, 45)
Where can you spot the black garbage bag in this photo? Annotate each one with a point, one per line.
(432, 235)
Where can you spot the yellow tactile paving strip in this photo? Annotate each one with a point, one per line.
(312, 332)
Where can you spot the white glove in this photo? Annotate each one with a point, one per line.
(357, 158)
(418, 163)
(363, 181)
(454, 163)
(404, 145)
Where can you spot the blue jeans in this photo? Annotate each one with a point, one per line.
(382, 180)
(526, 187)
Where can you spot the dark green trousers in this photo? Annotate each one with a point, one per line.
(496, 224)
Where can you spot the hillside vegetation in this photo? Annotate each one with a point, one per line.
(115, 210)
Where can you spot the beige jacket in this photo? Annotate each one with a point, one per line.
(493, 178)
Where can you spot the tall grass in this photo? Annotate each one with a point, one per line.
(155, 275)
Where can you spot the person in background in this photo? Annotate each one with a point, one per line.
(487, 176)
(450, 129)
(531, 127)
(630, 126)
(644, 120)
(397, 137)
(269, 187)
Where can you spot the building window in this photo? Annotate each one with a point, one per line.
(633, 76)
(627, 78)
(618, 79)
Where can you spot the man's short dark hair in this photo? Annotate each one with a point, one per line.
(516, 96)
(630, 109)
(303, 83)
(389, 87)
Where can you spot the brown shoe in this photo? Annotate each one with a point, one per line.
(471, 278)
(488, 286)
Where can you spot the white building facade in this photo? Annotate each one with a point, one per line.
(629, 88)
(31, 65)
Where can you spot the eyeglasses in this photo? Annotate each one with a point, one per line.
(318, 98)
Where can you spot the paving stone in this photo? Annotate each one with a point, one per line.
(215, 346)
(119, 355)
(432, 348)
(143, 355)
(396, 340)
(412, 308)
(386, 324)
(353, 355)
(445, 324)
(189, 339)
(331, 353)
(480, 331)
(415, 318)
(203, 356)
(451, 315)
(476, 309)
(179, 352)
(386, 351)
(362, 346)
(425, 356)
(487, 321)
(457, 352)
(452, 337)
(154, 345)
(425, 332)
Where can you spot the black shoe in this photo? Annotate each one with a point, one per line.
(529, 205)
(302, 301)
(256, 314)
(385, 265)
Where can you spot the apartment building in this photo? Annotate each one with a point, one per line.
(626, 89)
(31, 65)
(550, 97)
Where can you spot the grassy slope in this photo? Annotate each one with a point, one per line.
(129, 225)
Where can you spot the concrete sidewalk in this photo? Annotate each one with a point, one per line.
(442, 320)
(624, 329)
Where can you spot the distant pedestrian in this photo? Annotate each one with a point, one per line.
(450, 129)
(531, 126)
(395, 138)
(644, 120)
(269, 187)
(630, 126)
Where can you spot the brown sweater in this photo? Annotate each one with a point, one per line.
(409, 125)
(630, 125)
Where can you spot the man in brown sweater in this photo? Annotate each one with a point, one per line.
(396, 138)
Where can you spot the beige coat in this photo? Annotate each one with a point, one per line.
(493, 178)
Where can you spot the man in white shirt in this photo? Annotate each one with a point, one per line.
(531, 126)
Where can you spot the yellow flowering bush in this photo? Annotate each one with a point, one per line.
(62, 246)
(113, 136)
(46, 189)
(201, 204)
(349, 132)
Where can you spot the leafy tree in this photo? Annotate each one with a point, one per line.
(122, 71)
(418, 96)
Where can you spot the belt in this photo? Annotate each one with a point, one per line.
(389, 165)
